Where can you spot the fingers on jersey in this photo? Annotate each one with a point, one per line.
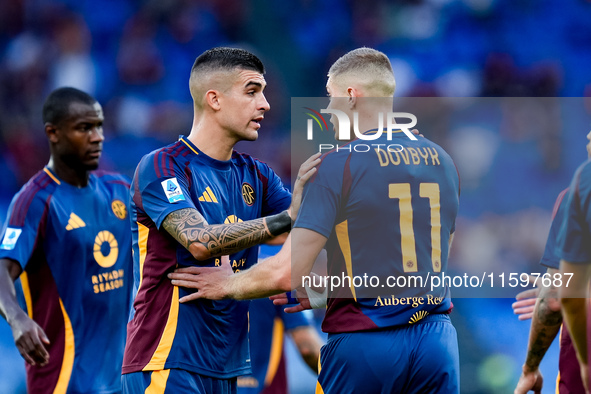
(209, 282)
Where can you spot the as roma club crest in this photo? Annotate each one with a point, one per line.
(248, 194)
(119, 209)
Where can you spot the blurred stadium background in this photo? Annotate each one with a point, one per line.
(135, 57)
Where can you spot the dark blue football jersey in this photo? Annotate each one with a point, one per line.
(387, 210)
(74, 245)
(574, 237)
(206, 337)
(551, 257)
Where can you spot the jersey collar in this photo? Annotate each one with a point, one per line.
(219, 164)
(52, 175)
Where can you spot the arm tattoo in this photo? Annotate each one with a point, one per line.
(538, 349)
(188, 226)
(545, 326)
(184, 225)
(547, 316)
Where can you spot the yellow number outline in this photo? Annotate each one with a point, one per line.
(402, 192)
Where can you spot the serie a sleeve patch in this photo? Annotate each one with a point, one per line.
(10, 238)
(172, 190)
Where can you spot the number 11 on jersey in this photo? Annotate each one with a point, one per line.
(401, 191)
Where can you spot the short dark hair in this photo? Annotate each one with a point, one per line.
(57, 105)
(225, 58)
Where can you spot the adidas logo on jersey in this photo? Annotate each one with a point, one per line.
(75, 222)
(208, 196)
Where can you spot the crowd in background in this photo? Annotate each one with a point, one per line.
(513, 157)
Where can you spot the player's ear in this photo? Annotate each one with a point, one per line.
(212, 99)
(51, 132)
(352, 95)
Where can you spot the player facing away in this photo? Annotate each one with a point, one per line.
(547, 322)
(574, 239)
(378, 213)
(545, 312)
(193, 201)
(67, 237)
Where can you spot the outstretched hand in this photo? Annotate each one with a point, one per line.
(526, 301)
(302, 297)
(209, 282)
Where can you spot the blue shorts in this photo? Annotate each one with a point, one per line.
(175, 381)
(419, 358)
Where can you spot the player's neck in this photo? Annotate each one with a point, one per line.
(370, 121)
(212, 142)
(78, 178)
